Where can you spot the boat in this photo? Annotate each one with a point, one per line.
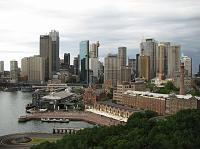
(26, 89)
(60, 120)
(42, 110)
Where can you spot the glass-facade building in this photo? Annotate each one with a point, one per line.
(84, 61)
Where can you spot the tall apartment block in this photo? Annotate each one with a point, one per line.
(14, 71)
(34, 69)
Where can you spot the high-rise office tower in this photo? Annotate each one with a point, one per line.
(67, 60)
(76, 66)
(14, 71)
(187, 62)
(149, 47)
(84, 61)
(54, 53)
(111, 69)
(44, 52)
(1, 66)
(173, 61)
(94, 50)
(121, 57)
(144, 66)
(49, 49)
(121, 64)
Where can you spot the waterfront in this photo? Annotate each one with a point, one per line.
(12, 106)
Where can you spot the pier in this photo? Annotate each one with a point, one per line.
(66, 130)
(73, 116)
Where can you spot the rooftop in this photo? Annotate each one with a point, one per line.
(58, 95)
(157, 95)
(110, 103)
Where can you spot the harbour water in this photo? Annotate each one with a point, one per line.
(12, 105)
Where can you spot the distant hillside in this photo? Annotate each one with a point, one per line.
(141, 131)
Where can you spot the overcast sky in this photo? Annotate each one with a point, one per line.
(112, 22)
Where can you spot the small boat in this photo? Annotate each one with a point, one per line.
(60, 120)
(42, 110)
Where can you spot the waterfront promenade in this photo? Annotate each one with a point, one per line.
(73, 116)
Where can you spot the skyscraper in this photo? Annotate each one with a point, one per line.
(76, 66)
(121, 60)
(161, 61)
(132, 65)
(67, 60)
(14, 71)
(34, 69)
(187, 62)
(49, 49)
(111, 69)
(44, 52)
(149, 46)
(144, 66)
(53, 53)
(137, 65)
(1, 66)
(173, 61)
(25, 67)
(94, 50)
(84, 61)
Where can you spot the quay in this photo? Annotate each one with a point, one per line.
(73, 116)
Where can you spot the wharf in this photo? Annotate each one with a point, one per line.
(73, 116)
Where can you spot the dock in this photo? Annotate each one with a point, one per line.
(72, 116)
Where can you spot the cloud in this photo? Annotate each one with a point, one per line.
(112, 22)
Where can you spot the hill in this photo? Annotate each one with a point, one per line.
(141, 131)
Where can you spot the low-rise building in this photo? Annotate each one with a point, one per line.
(57, 100)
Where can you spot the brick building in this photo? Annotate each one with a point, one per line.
(163, 104)
(92, 95)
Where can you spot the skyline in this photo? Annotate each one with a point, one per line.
(113, 23)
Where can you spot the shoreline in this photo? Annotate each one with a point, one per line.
(86, 116)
